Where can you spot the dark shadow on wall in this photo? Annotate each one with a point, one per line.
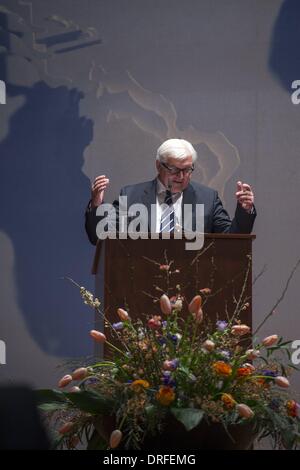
(43, 194)
(284, 60)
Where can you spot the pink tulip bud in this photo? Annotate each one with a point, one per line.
(205, 291)
(244, 411)
(208, 345)
(65, 380)
(165, 304)
(240, 330)
(74, 389)
(252, 354)
(115, 438)
(98, 336)
(123, 315)
(282, 381)
(80, 373)
(65, 428)
(195, 304)
(270, 340)
(198, 316)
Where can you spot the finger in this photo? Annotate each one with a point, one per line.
(100, 178)
(243, 197)
(100, 187)
(244, 193)
(102, 182)
(239, 186)
(246, 187)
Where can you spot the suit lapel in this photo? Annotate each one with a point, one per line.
(148, 198)
(189, 197)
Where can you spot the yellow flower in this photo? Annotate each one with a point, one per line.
(165, 395)
(139, 384)
(221, 368)
(228, 400)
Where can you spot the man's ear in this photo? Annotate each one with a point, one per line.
(157, 163)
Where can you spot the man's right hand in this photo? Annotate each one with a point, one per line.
(98, 188)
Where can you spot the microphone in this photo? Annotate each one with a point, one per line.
(170, 185)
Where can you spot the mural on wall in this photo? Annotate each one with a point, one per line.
(95, 87)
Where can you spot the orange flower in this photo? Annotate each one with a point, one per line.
(165, 395)
(262, 382)
(243, 371)
(292, 408)
(139, 384)
(228, 400)
(221, 368)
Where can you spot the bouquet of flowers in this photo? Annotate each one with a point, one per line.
(172, 367)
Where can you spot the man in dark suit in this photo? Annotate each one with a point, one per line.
(171, 191)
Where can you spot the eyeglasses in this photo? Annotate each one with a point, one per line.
(173, 170)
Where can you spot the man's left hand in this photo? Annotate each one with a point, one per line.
(244, 195)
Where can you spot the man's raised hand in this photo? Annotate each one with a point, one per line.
(98, 187)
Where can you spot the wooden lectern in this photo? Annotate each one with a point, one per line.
(132, 274)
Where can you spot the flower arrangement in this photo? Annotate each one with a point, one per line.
(170, 366)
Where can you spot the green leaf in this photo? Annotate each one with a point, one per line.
(50, 396)
(53, 406)
(189, 417)
(91, 402)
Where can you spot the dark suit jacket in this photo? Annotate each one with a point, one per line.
(216, 219)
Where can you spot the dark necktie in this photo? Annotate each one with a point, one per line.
(167, 221)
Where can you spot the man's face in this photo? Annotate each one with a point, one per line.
(179, 180)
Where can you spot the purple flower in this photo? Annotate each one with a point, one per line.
(162, 340)
(118, 326)
(174, 363)
(168, 380)
(225, 354)
(269, 373)
(221, 325)
(173, 338)
(164, 324)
